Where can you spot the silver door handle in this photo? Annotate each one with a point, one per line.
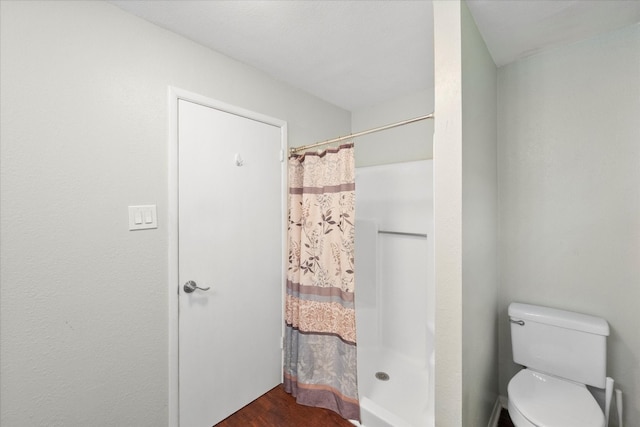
(191, 286)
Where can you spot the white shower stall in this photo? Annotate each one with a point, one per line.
(395, 301)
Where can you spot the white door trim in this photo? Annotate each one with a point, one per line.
(174, 95)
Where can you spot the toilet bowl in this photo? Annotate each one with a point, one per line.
(540, 400)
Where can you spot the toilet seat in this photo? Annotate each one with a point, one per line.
(517, 418)
(547, 401)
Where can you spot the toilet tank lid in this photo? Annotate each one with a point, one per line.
(560, 318)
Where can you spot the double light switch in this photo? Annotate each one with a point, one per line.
(142, 217)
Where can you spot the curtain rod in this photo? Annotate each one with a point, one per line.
(294, 150)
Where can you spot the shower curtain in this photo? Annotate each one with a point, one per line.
(320, 332)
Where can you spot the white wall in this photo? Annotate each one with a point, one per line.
(569, 170)
(479, 227)
(465, 220)
(402, 144)
(447, 200)
(84, 134)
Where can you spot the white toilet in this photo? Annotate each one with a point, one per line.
(561, 352)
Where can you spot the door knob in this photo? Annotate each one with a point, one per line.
(191, 286)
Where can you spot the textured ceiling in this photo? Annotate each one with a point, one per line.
(359, 53)
(350, 53)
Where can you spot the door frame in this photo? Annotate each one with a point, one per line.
(174, 95)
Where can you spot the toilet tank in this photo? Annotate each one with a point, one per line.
(561, 343)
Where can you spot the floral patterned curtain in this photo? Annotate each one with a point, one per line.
(320, 336)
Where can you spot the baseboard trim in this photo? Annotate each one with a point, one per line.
(501, 402)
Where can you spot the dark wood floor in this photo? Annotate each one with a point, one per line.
(278, 408)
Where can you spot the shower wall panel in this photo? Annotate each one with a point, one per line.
(394, 272)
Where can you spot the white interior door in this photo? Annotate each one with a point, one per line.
(229, 240)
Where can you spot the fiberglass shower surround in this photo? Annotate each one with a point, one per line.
(395, 294)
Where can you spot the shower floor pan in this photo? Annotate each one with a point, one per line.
(400, 401)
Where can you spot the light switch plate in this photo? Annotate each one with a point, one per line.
(143, 217)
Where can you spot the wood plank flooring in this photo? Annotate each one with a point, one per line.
(278, 408)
